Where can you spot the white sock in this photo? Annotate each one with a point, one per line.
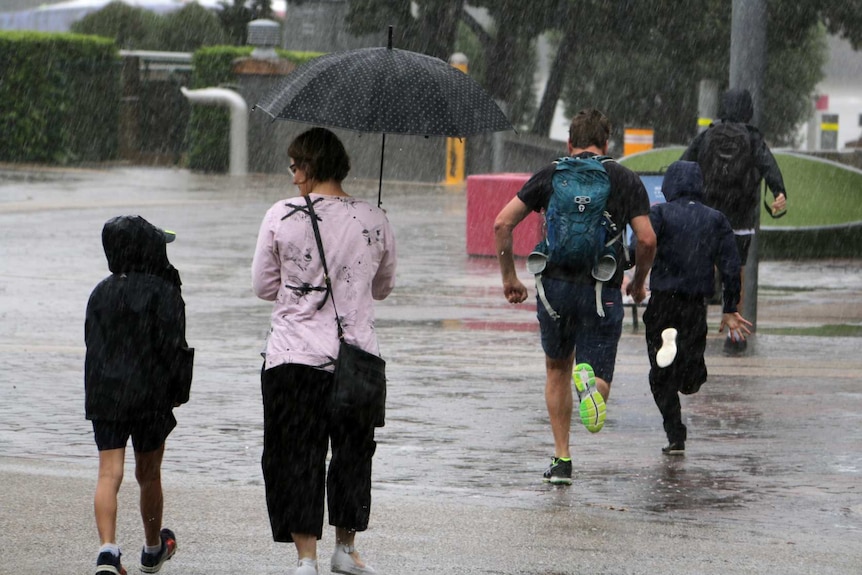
(112, 547)
(152, 550)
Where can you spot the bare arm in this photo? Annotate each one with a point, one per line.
(643, 256)
(510, 216)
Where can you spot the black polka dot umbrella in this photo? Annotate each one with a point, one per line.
(386, 91)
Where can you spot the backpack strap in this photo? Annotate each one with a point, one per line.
(540, 289)
(536, 263)
(600, 310)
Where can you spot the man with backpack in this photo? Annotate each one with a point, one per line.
(579, 307)
(734, 159)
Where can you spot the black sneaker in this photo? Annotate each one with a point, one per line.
(151, 563)
(107, 562)
(674, 448)
(559, 473)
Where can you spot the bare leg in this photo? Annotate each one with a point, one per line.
(148, 472)
(306, 545)
(107, 487)
(558, 398)
(604, 388)
(346, 537)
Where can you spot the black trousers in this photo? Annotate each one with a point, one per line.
(687, 314)
(297, 431)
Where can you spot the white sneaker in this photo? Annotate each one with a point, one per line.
(306, 567)
(667, 353)
(342, 562)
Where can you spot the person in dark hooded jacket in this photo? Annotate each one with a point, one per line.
(138, 367)
(737, 107)
(740, 206)
(692, 239)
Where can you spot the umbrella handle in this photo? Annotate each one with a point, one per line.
(380, 183)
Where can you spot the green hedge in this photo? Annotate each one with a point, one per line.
(209, 127)
(59, 97)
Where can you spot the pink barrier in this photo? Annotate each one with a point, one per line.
(487, 194)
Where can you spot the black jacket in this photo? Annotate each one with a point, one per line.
(137, 361)
(691, 239)
(736, 106)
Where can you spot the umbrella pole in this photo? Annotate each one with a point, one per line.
(380, 184)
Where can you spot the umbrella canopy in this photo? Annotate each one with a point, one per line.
(387, 91)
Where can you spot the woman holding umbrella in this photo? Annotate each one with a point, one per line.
(303, 343)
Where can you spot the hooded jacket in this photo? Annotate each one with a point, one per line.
(737, 106)
(137, 361)
(691, 239)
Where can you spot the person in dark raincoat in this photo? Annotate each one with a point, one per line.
(740, 208)
(692, 239)
(138, 367)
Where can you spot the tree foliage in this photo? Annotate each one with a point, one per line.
(648, 75)
(641, 62)
(431, 30)
(189, 28)
(134, 28)
(234, 17)
(130, 27)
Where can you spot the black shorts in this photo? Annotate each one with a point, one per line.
(147, 434)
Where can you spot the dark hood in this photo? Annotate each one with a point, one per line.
(736, 106)
(132, 244)
(683, 179)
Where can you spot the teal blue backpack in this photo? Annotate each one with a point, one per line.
(579, 232)
(576, 223)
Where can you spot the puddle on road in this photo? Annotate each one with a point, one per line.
(467, 418)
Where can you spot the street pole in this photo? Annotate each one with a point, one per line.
(747, 71)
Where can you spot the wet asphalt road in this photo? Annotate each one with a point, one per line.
(770, 483)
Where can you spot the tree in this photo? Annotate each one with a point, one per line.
(640, 63)
(130, 27)
(431, 30)
(648, 76)
(262, 9)
(134, 28)
(434, 26)
(234, 18)
(189, 28)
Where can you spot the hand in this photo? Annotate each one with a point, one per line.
(514, 291)
(638, 292)
(779, 205)
(738, 326)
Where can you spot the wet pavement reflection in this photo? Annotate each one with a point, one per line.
(774, 437)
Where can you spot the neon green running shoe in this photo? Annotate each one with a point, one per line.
(592, 405)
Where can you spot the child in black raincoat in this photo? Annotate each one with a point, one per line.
(138, 367)
(692, 239)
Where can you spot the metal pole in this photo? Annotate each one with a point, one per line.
(707, 104)
(748, 70)
(497, 146)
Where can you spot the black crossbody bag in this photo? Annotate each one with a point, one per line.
(359, 382)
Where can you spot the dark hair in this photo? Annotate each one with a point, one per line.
(320, 154)
(589, 127)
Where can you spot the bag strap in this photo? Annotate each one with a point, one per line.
(326, 277)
